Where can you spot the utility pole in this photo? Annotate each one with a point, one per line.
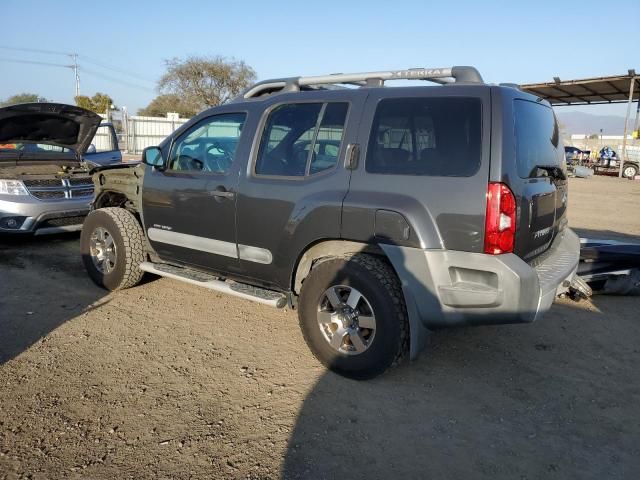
(74, 57)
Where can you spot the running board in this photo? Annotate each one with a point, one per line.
(195, 277)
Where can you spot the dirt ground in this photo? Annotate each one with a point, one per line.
(167, 380)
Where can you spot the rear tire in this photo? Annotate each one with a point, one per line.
(353, 316)
(629, 171)
(112, 250)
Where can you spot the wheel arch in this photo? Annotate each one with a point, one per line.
(330, 248)
(110, 198)
(327, 248)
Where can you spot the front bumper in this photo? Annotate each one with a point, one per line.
(31, 215)
(452, 288)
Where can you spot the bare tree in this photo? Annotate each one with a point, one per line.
(206, 81)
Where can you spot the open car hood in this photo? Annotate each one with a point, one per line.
(52, 123)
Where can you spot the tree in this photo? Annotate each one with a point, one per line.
(22, 98)
(163, 104)
(206, 81)
(98, 103)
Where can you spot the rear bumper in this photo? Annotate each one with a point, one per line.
(31, 215)
(451, 288)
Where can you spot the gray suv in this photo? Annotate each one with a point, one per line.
(46, 153)
(378, 213)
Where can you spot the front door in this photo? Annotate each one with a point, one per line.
(104, 146)
(189, 206)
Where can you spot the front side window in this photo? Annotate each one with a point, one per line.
(209, 146)
(301, 139)
(104, 141)
(426, 136)
(537, 138)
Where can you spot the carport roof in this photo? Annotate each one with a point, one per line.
(587, 90)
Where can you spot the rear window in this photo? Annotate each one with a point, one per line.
(537, 138)
(426, 136)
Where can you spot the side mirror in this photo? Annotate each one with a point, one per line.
(91, 149)
(153, 156)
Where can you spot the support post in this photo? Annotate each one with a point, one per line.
(623, 154)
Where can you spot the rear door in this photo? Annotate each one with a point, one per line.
(542, 182)
(292, 193)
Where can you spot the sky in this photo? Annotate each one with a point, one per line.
(122, 45)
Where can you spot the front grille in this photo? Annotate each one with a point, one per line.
(81, 181)
(60, 188)
(47, 194)
(62, 222)
(45, 182)
(82, 192)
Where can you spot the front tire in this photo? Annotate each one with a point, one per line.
(353, 316)
(112, 250)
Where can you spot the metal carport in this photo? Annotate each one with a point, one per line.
(593, 91)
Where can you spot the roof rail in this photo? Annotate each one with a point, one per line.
(294, 84)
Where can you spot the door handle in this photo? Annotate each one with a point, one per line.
(351, 156)
(221, 192)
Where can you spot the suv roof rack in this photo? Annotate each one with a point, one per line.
(461, 74)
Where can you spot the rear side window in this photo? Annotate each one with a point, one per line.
(301, 139)
(426, 136)
(537, 138)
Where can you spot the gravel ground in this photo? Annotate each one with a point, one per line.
(167, 380)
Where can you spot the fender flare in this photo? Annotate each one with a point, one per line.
(418, 333)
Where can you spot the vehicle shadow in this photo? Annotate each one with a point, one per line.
(42, 285)
(552, 399)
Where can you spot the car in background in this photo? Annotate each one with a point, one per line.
(47, 151)
(576, 156)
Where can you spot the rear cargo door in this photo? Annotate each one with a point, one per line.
(543, 181)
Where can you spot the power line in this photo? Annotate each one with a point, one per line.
(114, 69)
(76, 67)
(34, 62)
(85, 58)
(114, 79)
(36, 50)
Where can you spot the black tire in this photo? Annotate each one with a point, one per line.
(128, 237)
(629, 170)
(378, 283)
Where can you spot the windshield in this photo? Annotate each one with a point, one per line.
(32, 148)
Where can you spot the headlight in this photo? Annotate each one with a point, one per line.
(12, 187)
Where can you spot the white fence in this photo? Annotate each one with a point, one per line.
(136, 132)
(141, 132)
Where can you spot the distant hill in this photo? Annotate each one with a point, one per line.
(578, 122)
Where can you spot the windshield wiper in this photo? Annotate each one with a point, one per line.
(548, 171)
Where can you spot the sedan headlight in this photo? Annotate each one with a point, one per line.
(12, 187)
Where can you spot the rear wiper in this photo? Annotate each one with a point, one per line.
(547, 171)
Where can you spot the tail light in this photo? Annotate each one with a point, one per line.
(500, 222)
